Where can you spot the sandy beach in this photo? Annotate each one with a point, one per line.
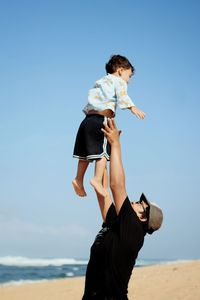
(160, 282)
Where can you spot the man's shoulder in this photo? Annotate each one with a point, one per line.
(126, 207)
(128, 217)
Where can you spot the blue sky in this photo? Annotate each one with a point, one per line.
(51, 53)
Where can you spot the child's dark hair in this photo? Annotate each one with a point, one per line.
(118, 61)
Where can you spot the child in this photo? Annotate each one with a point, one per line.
(108, 92)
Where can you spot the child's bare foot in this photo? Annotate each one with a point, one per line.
(79, 188)
(97, 185)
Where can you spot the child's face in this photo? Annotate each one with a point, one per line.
(125, 74)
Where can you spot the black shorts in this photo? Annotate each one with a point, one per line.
(91, 144)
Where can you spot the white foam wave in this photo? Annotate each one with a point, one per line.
(20, 261)
(21, 282)
(147, 262)
(69, 274)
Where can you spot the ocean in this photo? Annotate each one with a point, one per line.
(19, 270)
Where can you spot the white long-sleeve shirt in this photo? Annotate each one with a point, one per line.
(109, 92)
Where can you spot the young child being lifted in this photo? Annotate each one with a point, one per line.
(108, 93)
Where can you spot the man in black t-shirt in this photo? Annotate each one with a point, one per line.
(116, 246)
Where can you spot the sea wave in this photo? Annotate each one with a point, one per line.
(22, 282)
(17, 270)
(148, 262)
(20, 261)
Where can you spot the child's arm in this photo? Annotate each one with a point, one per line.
(137, 112)
(125, 102)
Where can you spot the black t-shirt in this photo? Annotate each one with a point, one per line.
(113, 255)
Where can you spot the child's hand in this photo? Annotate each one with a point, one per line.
(136, 111)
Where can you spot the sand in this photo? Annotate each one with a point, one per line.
(161, 282)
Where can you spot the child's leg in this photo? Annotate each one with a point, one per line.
(96, 181)
(78, 181)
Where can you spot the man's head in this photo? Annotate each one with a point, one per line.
(120, 66)
(149, 213)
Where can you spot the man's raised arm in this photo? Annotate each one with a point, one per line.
(117, 176)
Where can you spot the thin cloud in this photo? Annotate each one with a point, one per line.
(16, 226)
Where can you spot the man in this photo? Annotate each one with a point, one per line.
(126, 223)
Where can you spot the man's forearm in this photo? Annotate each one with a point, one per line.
(117, 176)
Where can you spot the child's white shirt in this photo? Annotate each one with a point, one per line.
(109, 92)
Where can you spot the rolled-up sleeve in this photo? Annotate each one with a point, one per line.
(123, 100)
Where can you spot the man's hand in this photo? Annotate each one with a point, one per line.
(136, 111)
(111, 132)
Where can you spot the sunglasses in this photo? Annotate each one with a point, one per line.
(145, 209)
